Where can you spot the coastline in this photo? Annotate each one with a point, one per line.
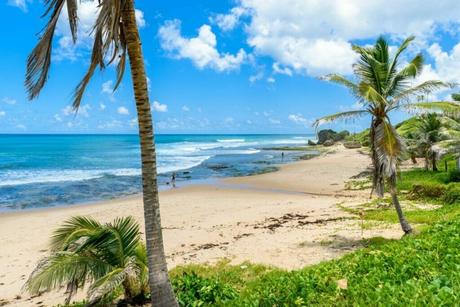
(279, 218)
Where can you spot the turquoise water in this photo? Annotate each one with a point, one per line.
(53, 170)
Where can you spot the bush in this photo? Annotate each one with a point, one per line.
(194, 290)
(427, 190)
(453, 176)
(452, 194)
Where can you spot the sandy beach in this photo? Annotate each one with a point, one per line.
(287, 219)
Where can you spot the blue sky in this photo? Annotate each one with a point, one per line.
(241, 66)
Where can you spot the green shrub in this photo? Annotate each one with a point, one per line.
(427, 190)
(194, 290)
(453, 176)
(452, 194)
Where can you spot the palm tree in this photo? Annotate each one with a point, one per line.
(111, 257)
(116, 37)
(381, 87)
(429, 132)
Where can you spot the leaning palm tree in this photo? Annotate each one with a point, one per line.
(116, 40)
(109, 257)
(382, 86)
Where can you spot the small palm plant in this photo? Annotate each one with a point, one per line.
(382, 87)
(108, 258)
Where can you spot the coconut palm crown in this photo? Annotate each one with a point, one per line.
(116, 41)
(381, 87)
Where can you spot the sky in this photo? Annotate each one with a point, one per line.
(238, 66)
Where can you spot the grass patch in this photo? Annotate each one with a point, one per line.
(417, 270)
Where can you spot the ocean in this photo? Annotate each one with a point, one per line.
(58, 170)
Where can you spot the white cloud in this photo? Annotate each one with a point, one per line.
(259, 75)
(446, 64)
(18, 3)
(271, 80)
(123, 111)
(274, 121)
(87, 14)
(148, 84)
(110, 124)
(277, 69)
(21, 126)
(158, 107)
(201, 50)
(2, 113)
(249, 122)
(133, 122)
(107, 87)
(57, 118)
(140, 18)
(8, 100)
(82, 110)
(298, 119)
(227, 22)
(102, 106)
(229, 120)
(185, 109)
(313, 37)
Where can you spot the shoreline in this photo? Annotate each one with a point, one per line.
(218, 181)
(279, 218)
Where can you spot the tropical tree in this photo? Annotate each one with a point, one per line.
(116, 40)
(429, 132)
(110, 257)
(381, 87)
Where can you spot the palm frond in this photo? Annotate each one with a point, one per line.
(424, 88)
(109, 283)
(341, 80)
(61, 268)
(72, 230)
(39, 60)
(401, 48)
(388, 146)
(73, 17)
(447, 107)
(371, 95)
(340, 116)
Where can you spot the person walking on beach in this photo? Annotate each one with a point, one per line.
(173, 179)
(282, 156)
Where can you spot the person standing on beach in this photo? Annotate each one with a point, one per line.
(173, 179)
(282, 156)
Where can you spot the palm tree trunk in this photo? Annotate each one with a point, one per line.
(433, 162)
(160, 286)
(394, 197)
(377, 180)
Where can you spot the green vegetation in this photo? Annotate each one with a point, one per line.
(109, 257)
(417, 270)
(362, 137)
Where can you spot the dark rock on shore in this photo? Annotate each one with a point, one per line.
(331, 135)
